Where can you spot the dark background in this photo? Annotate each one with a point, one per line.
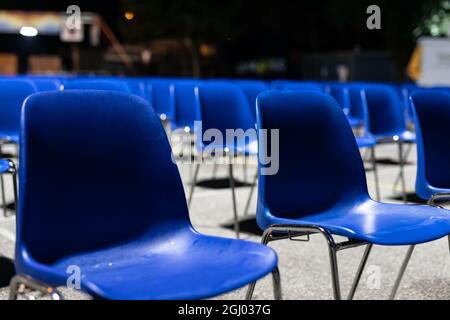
(298, 34)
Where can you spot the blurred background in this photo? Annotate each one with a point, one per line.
(234, 38)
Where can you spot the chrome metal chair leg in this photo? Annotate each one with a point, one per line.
(402, 172)
(375, 173)
(405, 156)
(360, 271)
(401, 272)
(252, 189)
(19, 283)
(13, 171)
(277, 292)
(2, 185)
(233, 195)
(251, 287)
(334, 270)
(193, 183)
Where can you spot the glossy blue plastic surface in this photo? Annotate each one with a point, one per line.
(160, 89)
(431, 110)
(13, 92)
(321, 179)
(386, 117)
(121, 216)
(44, 84)
(251, 89)
(185, 104)
(90, 84)
(224, 106)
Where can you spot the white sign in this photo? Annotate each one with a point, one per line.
(435, 65)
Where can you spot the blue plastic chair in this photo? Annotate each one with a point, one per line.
(13, 92)
(386, 122)
(431, 112)
(223, 106)
(46, 84)
(160, 89)
(139, 87)
(140, 249)
(251, 89)
(185, 101)
(321, 188)
(341, 92)
(93, 84)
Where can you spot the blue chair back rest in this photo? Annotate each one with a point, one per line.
(78, 190)
(357, 109)
(251, 89)
(319, 161)
(185, 103)
(139, 87)
(224, 106)
(13, 93)
(112, 85)
(432, 119)
(43, 84)
(340, 92)
(385, 112)
(161, 97)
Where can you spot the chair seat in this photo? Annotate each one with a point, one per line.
(366, 141)
(406, 136)
(4, 166)
(182, 266)
(380, 223)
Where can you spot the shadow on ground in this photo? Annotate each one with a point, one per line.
(246, 225)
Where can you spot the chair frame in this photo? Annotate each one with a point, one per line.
(398, 280)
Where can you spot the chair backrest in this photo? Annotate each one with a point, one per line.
(251, 89)
(357, 107)
(80, 191)
(340, 92)
(13, 93)
(319, 161)
(224, 106)
(385, 112)
(185, 104)
(160, 89)
(432, 118)
(92, 84)
(44, 84)
(139, 88)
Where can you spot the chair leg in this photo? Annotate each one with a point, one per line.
(402, 172)
(19, 283)
(193, 183)
(233, 196)
(375, 173)
(449, 243)
(334, 271)
(13, 171)
(252, 189)
(277, 292)
(251, 287)
(2, 185)
(402, 272)
(405, 156)
(359, 272)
